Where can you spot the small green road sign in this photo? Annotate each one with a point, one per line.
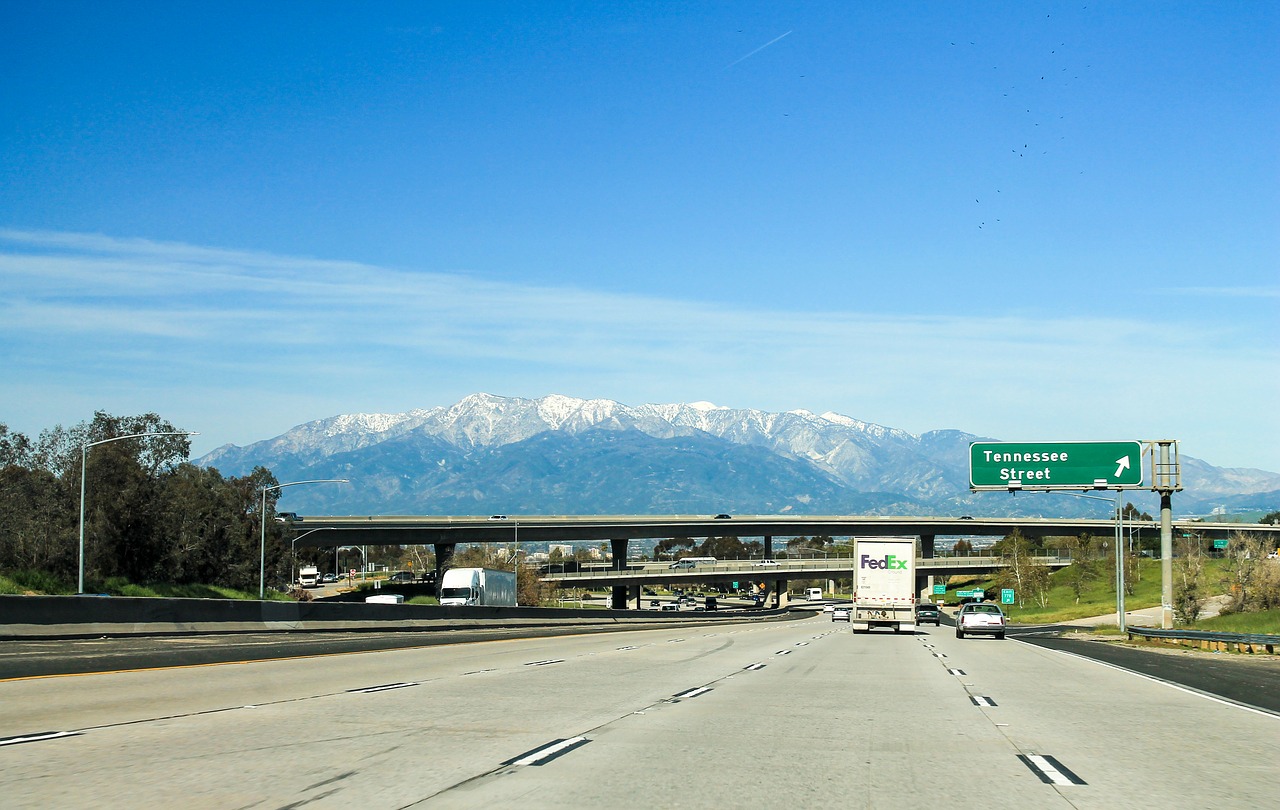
(939, 590)
(1220, 543)
(975, 593)
(1006, 596)
(1046, 466)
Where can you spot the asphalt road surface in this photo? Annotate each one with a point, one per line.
(782, 713)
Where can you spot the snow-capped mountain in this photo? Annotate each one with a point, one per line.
(491, 454)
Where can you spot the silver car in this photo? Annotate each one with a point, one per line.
(980, 618)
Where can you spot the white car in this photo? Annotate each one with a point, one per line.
(828, 608)
(980, 618)
(767, 562)
(840, 614)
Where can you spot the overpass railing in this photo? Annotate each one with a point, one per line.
(808, 567)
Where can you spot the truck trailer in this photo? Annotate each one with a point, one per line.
(478, 586)
(884, 584)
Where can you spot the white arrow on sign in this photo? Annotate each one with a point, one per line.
(1122, 464)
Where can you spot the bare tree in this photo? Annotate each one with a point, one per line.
(1188, 581)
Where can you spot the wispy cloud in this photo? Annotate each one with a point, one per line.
(217, 331)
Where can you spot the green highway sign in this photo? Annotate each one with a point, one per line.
(970, 594)
(939, 589)
(1048, 466)
(1006, 596)
(1220, 543)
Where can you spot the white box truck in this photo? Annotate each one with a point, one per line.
(309, 576)
(478, 586)
(884, 584)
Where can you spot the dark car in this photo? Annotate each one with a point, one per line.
(928, 613)
(403, 577)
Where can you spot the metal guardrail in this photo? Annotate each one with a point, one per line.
(1211, 640)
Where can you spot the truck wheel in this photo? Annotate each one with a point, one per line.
(999, 635)
(959, 633)
(897, 629)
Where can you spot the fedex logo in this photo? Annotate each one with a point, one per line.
(889, 561)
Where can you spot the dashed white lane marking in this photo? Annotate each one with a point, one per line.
(384, 687)
(548, 752)
(1050, 770)
(37, 737)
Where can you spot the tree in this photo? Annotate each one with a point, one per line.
(1246, 573)
(1188, 582)
(1084, 567)
(670, 548)
(962, 546)
(1021, 572)
(722, 548)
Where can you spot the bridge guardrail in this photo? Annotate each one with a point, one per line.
(1208, 640)
(749, 567)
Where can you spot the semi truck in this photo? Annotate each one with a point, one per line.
(478, 586)
(309, 576)
(884, 584)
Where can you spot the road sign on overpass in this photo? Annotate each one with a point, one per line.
(1047, 466)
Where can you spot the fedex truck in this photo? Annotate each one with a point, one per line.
(884, 584)
(478, 586)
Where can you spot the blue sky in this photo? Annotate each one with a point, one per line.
(1030, 221)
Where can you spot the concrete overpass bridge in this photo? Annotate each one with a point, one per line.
(633, 578)
(445, 532)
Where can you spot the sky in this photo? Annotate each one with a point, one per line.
(1028, 221)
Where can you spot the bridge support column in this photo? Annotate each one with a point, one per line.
(768, 547)
(781, 596)
(618, 549)
(924, 585)
(444, 559)
(635, 601)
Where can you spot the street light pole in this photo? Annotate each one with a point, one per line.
(84, 460)
(1120, 617)
(262, 519)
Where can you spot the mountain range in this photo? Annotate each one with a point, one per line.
(488, 454)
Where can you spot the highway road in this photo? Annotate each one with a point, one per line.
(780, 713)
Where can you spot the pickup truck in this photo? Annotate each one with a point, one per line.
(980, 618)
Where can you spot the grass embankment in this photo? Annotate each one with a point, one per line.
(1266, 622)
(1098, 598)
(39, 583)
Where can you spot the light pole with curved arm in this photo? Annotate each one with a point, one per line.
(84, 460)
(1120, 617)
(293, 549)
(262, 519)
